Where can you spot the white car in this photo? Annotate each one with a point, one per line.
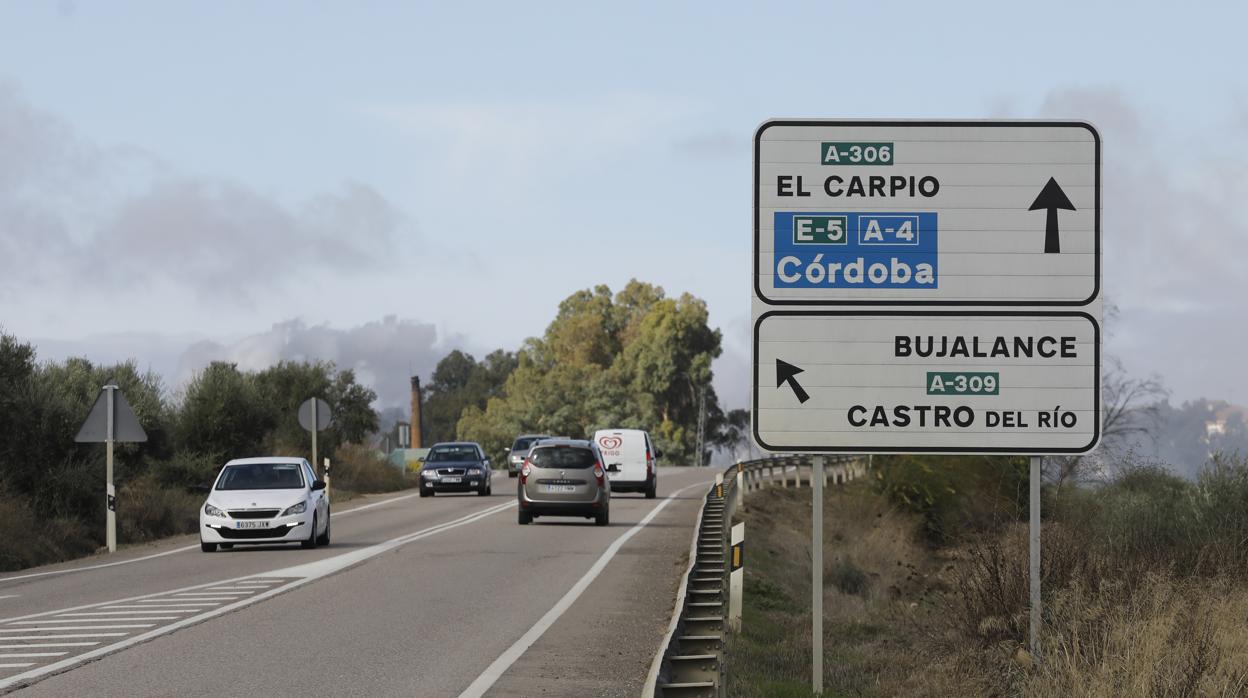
(631, 460)
(265, 501)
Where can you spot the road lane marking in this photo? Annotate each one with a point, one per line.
(346, 512)
(73, 636)
(496, 668)
(9, 596)
(16, 666)
(284, 581)
(27, 655)
(63, 628)
(102, 614)
(47, 644)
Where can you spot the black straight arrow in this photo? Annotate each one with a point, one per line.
(1052, 198)
(787, 373)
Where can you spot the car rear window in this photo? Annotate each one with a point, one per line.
(525, 443)
(562, 457)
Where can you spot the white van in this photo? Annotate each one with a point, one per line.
(631, 460)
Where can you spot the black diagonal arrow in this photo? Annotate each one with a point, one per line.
(787, 373)
(1052, 198)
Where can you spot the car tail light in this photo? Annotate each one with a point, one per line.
(524, 472)
(600, 474)
(649, 462)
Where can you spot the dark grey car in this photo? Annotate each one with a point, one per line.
(455, 467)
(514, 456)
(564, 477)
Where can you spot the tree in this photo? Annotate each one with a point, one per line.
(458, 383)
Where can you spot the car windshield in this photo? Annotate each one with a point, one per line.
(523, 444)
(562, 457)
(441, 454)
(261, 476)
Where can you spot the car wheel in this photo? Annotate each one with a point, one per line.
(208, 547)
(603, 518)
(324, 539)
(311, 542)
(525, 518)
(484, 490)
(653, 490)
(226, 546)
(426, 492)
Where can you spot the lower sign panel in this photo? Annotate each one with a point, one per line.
(934, 382)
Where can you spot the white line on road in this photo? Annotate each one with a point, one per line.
(47, 644)
(495, 670)
(63, 628)
(45, 621)
(63, 637)
(184, 548)
(16, 666)
(27, 655)
(301, 574)
(161, 608)
(106, 615)
(9, 596)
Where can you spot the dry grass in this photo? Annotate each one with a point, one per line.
(1122, 617)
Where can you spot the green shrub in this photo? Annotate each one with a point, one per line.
(31, 540)
(955, 495)
(361, 469)
(147, 510)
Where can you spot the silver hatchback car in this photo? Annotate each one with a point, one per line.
(564, 477)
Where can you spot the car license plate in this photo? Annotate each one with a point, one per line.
(558, 488)
(452, 480)
(251, 524)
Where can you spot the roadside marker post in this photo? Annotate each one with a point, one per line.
(110, 421)
(315, 415)
(736, 577)
(927, 287)
(740, 486)
(326, 477)
(719, 485)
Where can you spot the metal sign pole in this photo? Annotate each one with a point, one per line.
(1034, 549)
(110, 494)
(816, 573)
(316, 423)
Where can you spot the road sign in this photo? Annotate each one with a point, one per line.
(314, 416)
(927, 286)
(110, 421)
(927, 381)
(125, 426)
(900, 213)
(315, 411)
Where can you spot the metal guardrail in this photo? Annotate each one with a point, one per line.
(690, 664)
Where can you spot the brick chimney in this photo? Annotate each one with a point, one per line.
(417, 431)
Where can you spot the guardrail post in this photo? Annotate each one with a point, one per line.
(736, 577)
(740, 485)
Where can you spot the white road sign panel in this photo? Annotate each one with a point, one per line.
(898, 213)
(927, 381)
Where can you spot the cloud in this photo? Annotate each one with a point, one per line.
(81, 218)
(384, 354)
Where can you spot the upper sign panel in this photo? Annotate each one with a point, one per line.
(927, 213)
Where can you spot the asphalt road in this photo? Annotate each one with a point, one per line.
(415, 597)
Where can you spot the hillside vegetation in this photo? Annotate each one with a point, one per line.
(52, 490)
(1145, 581)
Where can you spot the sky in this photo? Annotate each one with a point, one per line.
(377, 183)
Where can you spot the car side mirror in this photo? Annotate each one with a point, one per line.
(658, 454)
(487, 462)
(318, 485)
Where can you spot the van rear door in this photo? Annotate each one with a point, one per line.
(623, 454)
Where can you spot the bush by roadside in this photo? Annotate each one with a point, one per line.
(1145, 584)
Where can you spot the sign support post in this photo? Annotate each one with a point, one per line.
(110, 494)
(315, 420)
(816, 574)
(1033, 546)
